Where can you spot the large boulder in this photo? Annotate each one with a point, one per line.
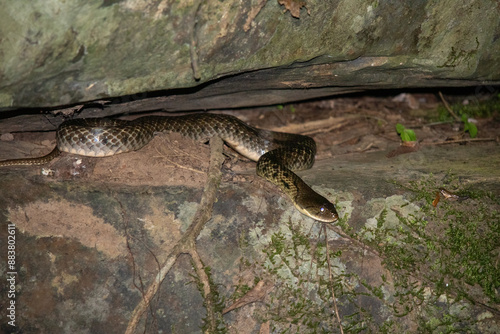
(237, 53)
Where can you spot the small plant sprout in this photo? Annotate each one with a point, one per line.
(407, 135)
(469, 126)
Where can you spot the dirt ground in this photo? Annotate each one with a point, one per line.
(354, 124)
(104, 230)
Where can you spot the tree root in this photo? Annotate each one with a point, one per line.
(187, 244)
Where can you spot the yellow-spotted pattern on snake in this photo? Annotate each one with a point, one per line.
(276, 153)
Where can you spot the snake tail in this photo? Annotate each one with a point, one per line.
(32, 161)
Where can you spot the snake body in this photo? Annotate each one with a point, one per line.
(276, 153)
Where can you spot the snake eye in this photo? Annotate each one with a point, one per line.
(322, 209)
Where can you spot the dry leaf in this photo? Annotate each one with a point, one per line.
(294, 6)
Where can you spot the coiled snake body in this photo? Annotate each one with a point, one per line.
(276, 154)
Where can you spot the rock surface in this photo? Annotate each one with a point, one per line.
(228, 54)
(92, 235)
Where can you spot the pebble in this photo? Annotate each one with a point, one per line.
(7, 137)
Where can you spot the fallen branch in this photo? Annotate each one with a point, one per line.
(461, 141)
(187, 242)
(447, 106)
(317, 126)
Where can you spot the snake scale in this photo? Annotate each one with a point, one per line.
(276, 153)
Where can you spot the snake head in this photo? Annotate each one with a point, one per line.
(326, 213)
(317, 207)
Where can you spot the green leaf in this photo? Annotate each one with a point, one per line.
(406, 134)
(472, 128)
(400, 128)
(405, 137)
(411, 135)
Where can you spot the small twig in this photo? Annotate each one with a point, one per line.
(129, 248)
(317, 126)
(256, 294)
(354, 241)
(447, 106)
(175, 164)
(331, 280)
(420, 126)
(460, 141)
(199, 268)
(183, 152)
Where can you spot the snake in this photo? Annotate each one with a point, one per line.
(278, 154)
